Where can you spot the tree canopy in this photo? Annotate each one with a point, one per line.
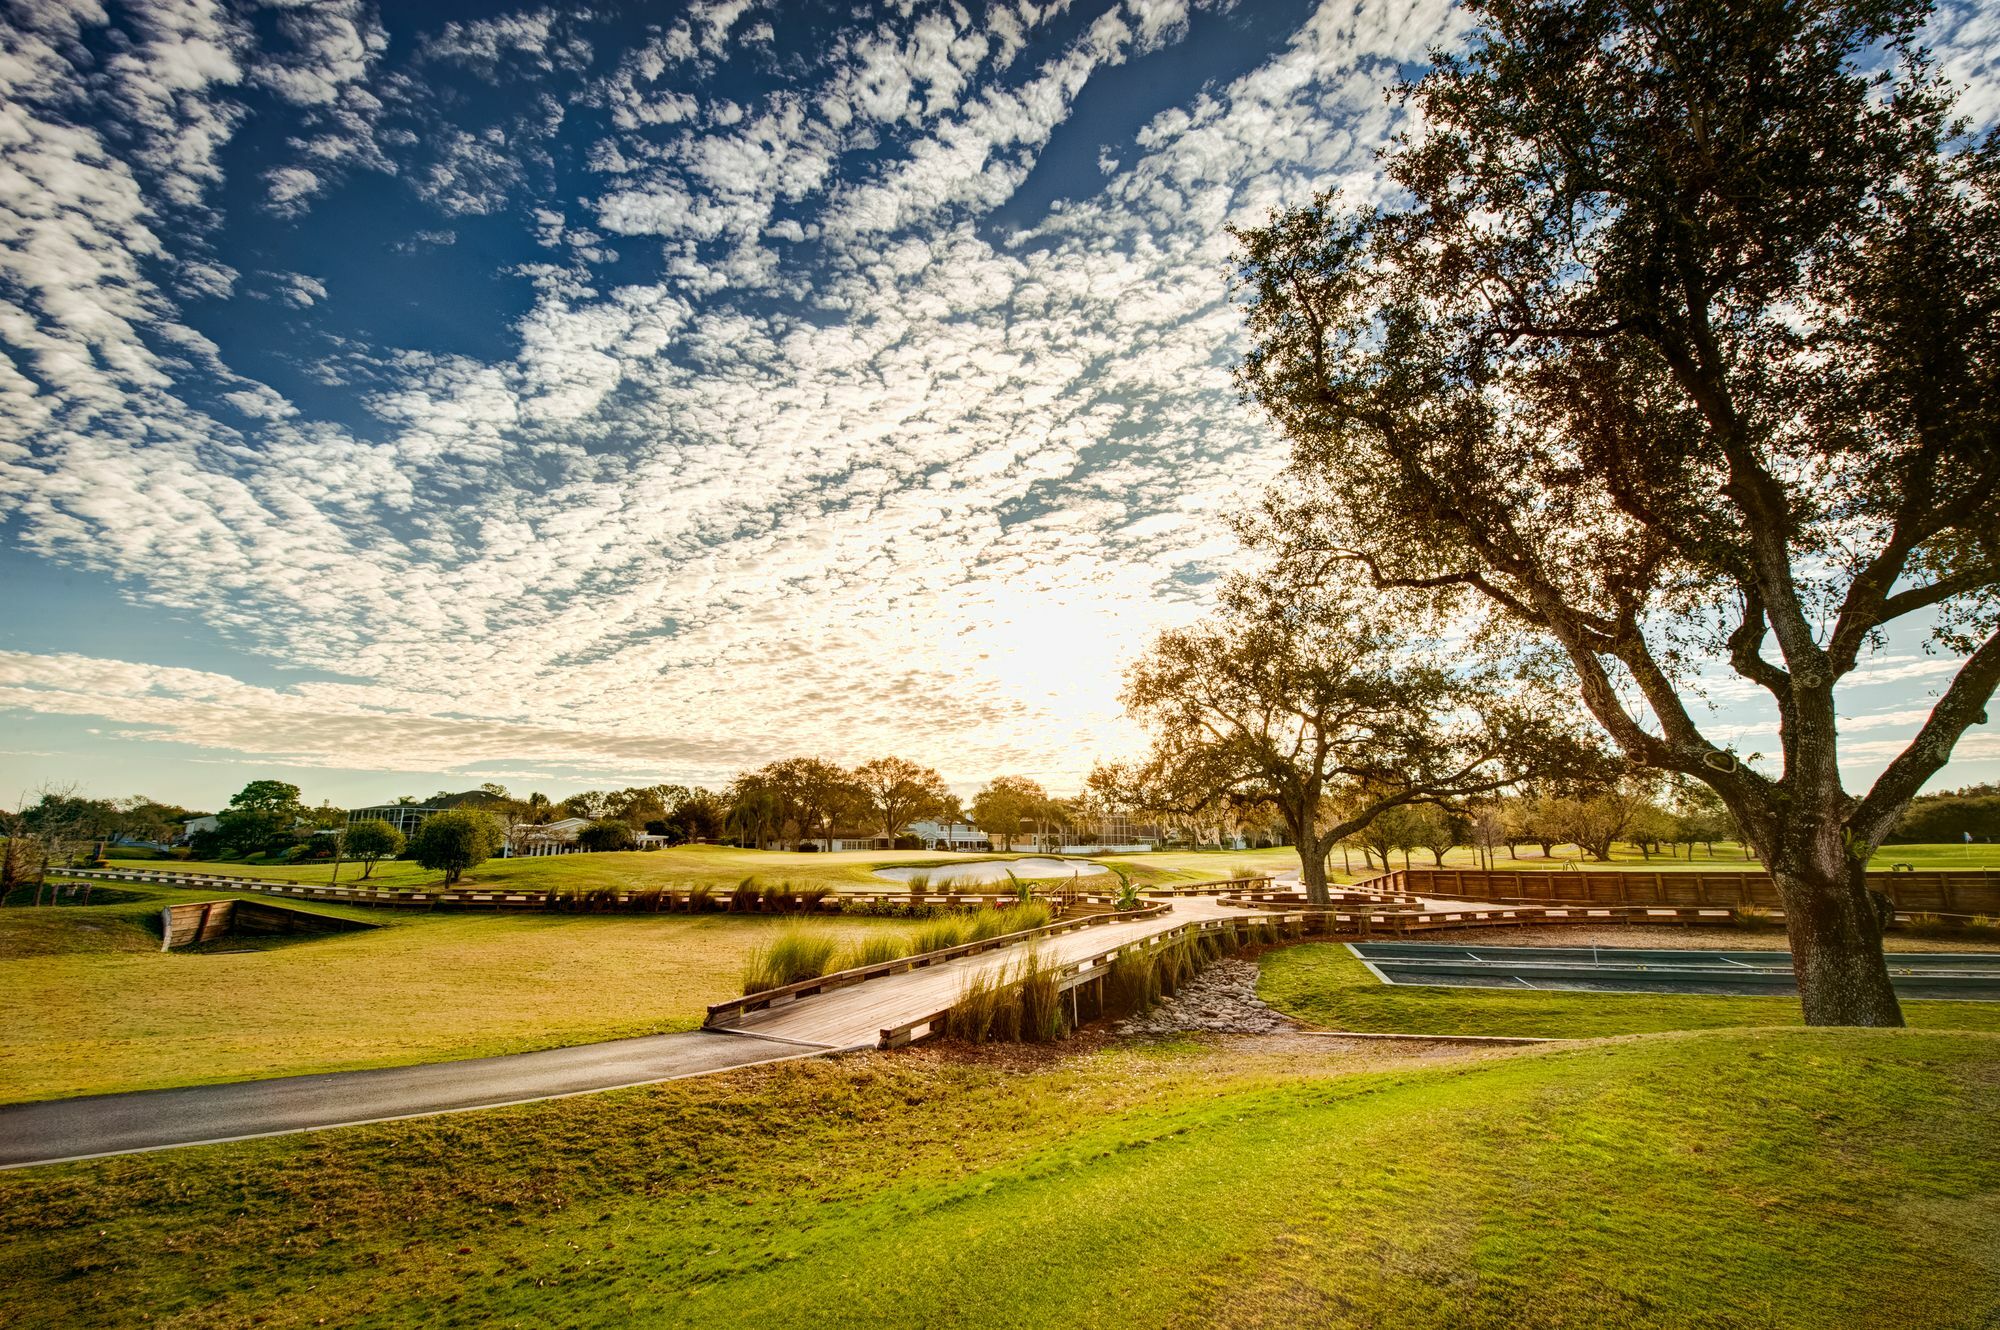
(1316, 699)
(1677, 352)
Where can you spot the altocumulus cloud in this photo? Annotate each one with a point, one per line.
(751, 403)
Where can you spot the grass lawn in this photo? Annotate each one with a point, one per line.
(1735, 1179)
(1322, 984)
(89, 1003)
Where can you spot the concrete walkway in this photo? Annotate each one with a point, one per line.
(59, 1130)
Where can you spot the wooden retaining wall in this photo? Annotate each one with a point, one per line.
(204, 921)
(1969, 891)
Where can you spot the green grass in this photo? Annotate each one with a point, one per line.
(1835, 1179)
(1322, 984)
(90, 1005)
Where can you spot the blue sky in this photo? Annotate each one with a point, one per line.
(406, 396)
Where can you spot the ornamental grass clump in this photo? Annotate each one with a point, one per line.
(1131, 984)
(1020, 918)
(1039, 990)
(794, 955)
(746, 897)
(977, 1011)
(700, 899)
(874, 951)
(947, 930)
(810, 899)
(983, 924)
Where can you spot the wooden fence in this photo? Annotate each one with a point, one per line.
(643, 901)
(1969, 891)
(203, 921)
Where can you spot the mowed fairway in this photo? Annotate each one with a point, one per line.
(1743, 1178)
(90, 1004)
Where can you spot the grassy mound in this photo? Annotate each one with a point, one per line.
(1323, 985)
(1741, 1178)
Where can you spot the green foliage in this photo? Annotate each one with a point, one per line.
(369, 841)
(455, 840)
(1949, 817)
(607, 835)
(945, 931)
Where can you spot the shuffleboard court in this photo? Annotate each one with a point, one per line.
(1951, 976)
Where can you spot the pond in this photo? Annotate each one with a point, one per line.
(989, 871)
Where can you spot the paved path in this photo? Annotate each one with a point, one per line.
(63, 1129)
(843, 1019)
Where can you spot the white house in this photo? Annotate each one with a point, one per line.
(950, 836)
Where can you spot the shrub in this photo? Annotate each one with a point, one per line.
(794, 955)
(455, 840)
(606, 835)
(747, 896)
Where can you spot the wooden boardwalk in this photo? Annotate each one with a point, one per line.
(858, 1015)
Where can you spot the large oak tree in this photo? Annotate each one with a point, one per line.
(1677, 351)
(1324, 704)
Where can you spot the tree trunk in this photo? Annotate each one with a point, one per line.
(1312, 870)
(1834, 924)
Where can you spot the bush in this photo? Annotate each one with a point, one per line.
(606, 835)
(794, 955)
(455, 840)
(746, 897)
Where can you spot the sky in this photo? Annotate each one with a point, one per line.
(402, 397)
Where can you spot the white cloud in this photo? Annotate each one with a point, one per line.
(842, 471)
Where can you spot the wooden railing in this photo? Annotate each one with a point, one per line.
(1219, 887)
(1969, 891)
(493, 898)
